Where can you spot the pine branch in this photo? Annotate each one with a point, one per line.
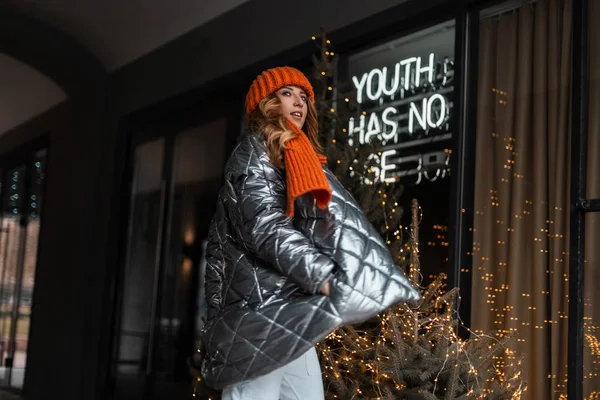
(415, 267)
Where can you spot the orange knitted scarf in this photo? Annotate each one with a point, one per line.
(303, 171)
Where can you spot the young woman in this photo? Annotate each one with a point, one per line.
(290, 254)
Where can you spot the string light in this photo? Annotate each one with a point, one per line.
(350, 349)
(522, 320)
(400, 339)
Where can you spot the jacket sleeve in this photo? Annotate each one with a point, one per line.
(269, 232)
(213, 277)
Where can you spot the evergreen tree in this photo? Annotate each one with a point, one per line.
(355, 165)
(411, 351)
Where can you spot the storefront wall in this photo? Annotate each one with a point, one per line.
(481, 139)
(506, 106)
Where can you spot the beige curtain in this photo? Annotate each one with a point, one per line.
(520, 260)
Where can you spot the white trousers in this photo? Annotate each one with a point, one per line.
(299, 380)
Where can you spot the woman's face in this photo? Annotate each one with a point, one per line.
(293, 104)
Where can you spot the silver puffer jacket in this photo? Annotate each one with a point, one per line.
(265, 270)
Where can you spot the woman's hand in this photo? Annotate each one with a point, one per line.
(325, 289)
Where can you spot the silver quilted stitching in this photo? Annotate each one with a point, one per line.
(285, 328)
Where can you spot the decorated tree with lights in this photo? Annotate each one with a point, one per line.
(411, 351)
(355, 165)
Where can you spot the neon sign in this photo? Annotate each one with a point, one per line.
(406, 107)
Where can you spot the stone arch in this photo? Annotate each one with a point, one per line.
(53, 53)
(79, 193)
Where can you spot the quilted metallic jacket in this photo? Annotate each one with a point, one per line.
(265, 270)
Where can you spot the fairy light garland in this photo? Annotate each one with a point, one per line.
(356, 360)
(406, 325)
(513, 320)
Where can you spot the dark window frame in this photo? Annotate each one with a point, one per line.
(579, 204)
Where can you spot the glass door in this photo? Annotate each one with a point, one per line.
(197, 167)
(21, 192)
(175, 183)
(148, 194)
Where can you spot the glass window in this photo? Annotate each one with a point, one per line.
(21, 193)
(12, 244)
(199, 162)
(145, 225)
(405, 89)
(176, 179)
(521, 215)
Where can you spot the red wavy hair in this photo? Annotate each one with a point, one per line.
(268, 121)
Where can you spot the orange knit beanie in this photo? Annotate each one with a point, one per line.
(273, 79)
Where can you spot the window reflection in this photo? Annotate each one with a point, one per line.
(22, 195)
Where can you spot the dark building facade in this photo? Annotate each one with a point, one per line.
(486, 112)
